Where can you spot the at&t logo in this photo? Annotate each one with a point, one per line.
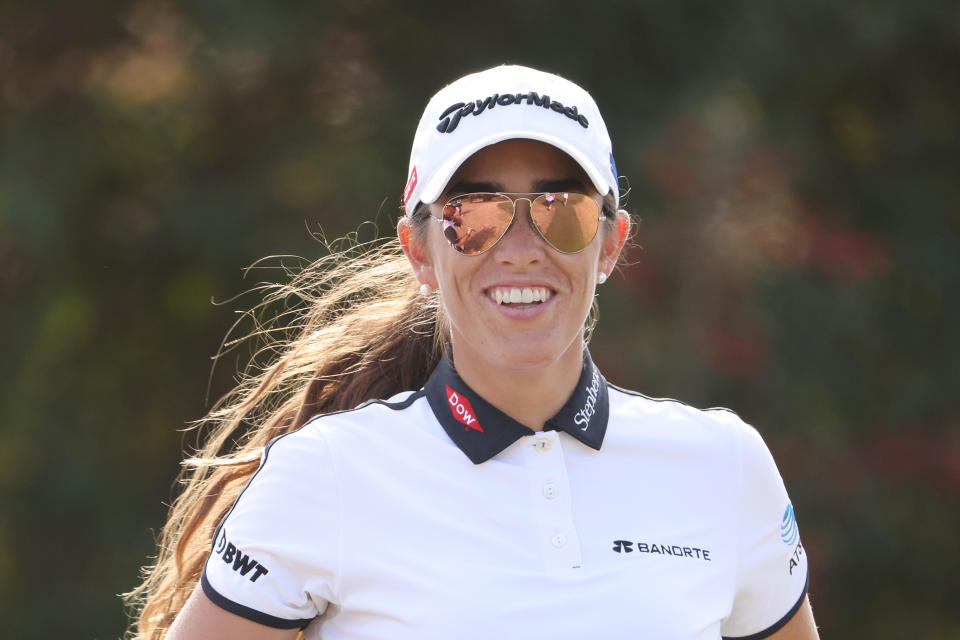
(790, 534)
(788, 526)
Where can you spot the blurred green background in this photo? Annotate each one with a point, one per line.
(794, 165)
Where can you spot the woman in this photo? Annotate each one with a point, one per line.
(504, 489)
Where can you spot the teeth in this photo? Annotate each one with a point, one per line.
(516, 295)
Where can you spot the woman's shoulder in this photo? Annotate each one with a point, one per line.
(673, 415)
(393, 406)
(310, 453)
(370, 424)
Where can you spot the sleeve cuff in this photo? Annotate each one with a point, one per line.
(779, 624)
(246, 612)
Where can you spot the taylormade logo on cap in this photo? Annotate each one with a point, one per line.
(499, 104)
(451, 116)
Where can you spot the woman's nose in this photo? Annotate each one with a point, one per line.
(521, 244)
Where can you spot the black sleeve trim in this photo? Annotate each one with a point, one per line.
(776, 626)
(247, 612)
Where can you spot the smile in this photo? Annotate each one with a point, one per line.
(519, 295)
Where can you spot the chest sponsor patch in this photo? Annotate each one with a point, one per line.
(662, 549)
(462, 411)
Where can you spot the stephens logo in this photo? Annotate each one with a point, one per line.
(451, 116)
(590, 406)
(462, 411)
(788, 526)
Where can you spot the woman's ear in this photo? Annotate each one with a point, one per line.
(614, 241)
(416, 250)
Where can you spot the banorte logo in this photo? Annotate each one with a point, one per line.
(462, 411)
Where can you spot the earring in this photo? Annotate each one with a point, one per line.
(424, 289)
(601, 277)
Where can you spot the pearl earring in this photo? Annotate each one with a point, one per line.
(601, 277)
(424, 289)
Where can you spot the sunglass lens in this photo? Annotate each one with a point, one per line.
(568, 221)
(473, 223)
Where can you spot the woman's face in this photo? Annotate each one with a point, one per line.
(517, 336)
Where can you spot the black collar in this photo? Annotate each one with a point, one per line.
(482, 431)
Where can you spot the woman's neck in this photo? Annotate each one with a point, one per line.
(530, 395)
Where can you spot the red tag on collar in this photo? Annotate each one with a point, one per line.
(462, 411)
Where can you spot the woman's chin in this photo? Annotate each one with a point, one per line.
(522, 353)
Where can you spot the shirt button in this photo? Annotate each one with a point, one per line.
(542, 444)
(550, 491)
(558, 540)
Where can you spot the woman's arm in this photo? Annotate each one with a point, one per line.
(200, 619)
(800, 627)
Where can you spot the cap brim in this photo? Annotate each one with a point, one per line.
(438, 182)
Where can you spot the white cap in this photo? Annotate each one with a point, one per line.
(504, 103)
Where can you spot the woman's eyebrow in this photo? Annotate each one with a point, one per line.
(564, 184)
(561, 184)
(474, 187)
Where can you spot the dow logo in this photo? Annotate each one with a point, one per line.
(462, 411)
(788, 526)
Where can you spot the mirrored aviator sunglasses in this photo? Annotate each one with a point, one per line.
(474, 222)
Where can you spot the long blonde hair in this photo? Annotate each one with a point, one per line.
(353, 327)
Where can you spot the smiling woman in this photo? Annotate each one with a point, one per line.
(447, 461)
(517, 305)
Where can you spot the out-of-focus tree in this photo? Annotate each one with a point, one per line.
(793, 168)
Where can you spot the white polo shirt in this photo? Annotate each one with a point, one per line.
(435, 515)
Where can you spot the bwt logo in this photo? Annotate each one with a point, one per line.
(242, 563)
(462, 411)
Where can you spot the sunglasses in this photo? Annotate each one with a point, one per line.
(474, 222)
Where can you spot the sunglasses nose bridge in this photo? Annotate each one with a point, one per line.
(520, 228)
(517, 199)
(528, 209)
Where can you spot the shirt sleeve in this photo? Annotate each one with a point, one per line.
(771, 573)
(275, 557)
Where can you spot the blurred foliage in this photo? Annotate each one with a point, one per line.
(794, 168)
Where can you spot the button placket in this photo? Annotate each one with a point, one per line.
(559, 544)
